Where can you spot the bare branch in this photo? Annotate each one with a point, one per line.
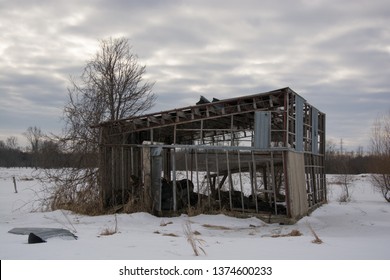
(110, 87)
(380, 149)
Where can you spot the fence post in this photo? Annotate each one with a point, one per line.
(16, 190)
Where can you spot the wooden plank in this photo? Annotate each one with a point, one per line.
(212, 109)
(196, 111)
(147, 175)
(197, 175)
(230, 180)
(273, 182)
(218, 182)
(255, 178)
(240, 176)
(174, 179)
(208, 176)
(154, 119)
(297, 187)
(181, 114)
(123, 176)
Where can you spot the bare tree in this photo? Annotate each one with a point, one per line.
(345, 179)
(114, 80)
(12, 143)
(380, 149)
(110, 87)
(34, 136)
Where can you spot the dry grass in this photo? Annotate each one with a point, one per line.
(192, 238)
(85, 202)
(191, 211)
(134, 206)
(76, 190)
(164, 224)
(170, 234)
(68, 224)
(316, 240)
(110, 231)
(294, 232)
(216, 227)
(344, 198)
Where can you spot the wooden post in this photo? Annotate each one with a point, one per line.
(254, 197)
(287, 183)
(218, 183)
(255, 180)
(16, 190)
(208, 178)
(197, 176)
(273, 182)
(188, 184)
(201, 132)
(231, 130)
(230, 180)
(265, 180)
(173, 158)
(240, 176)
(113, 186)
(123, 172)
(147, 174)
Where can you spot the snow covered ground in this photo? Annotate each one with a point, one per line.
(358, 230)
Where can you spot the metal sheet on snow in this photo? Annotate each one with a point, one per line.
(44, 233)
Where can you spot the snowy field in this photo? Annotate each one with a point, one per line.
(358, 230)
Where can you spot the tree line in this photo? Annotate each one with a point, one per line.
(41, 152)
(349, 163)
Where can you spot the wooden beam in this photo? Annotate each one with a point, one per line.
(181, 114)
(153, 119)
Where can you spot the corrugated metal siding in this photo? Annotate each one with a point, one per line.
(262, 130)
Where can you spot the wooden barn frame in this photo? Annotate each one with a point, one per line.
(260, 155)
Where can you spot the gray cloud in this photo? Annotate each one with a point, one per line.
(336, 55)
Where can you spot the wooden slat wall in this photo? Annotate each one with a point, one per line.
(297, 185)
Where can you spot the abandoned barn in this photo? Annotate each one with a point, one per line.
(260, 154)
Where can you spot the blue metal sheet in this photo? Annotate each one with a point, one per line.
(299, 101)
(44, 233)
(262, 137)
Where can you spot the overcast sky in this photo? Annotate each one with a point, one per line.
(335, 54)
